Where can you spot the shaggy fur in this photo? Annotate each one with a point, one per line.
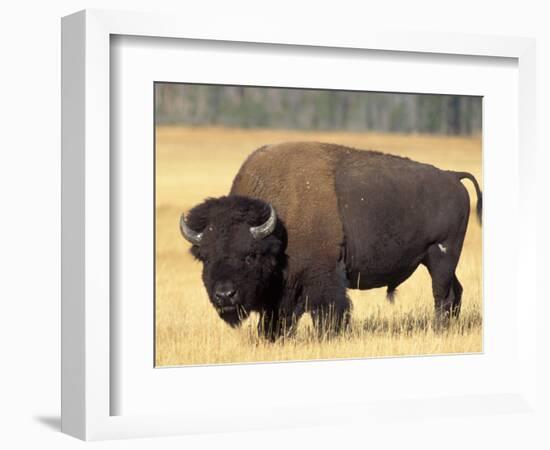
(346, 219)
(233, 259)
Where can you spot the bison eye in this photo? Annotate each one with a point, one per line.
(249, 259)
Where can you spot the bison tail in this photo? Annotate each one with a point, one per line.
(469, 176)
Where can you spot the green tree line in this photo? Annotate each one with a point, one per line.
(257, 107)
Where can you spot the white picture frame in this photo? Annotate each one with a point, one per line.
(88, 387)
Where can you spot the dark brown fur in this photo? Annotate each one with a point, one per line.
(356, 219)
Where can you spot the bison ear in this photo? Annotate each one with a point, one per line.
(266, 228)
(188, 234)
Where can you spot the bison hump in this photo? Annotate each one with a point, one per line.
(298, 180)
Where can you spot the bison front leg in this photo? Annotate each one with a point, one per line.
(269, 326)
(329, 306)
(275, 324)
(331, 319)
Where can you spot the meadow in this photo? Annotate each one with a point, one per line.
(193, 163)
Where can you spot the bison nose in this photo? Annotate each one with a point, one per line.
(225, 294)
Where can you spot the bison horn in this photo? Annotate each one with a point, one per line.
(266, 228)
(190, 235)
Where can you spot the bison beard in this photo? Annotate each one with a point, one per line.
(242, 269)
(306, 221)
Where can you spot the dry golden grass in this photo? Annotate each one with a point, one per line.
(194, 163)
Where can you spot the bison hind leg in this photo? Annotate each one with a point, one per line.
(457, 300)
(447, 305)
(441, 262)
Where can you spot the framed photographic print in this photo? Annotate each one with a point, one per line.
(286, 294)
(257, 225)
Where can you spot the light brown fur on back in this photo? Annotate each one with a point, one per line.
(298, 180)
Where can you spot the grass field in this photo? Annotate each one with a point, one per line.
(194, 163)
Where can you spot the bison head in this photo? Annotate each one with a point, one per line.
(240, 242)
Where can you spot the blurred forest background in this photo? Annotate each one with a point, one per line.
(284, 108)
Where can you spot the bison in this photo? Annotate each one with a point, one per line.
(305, 221)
